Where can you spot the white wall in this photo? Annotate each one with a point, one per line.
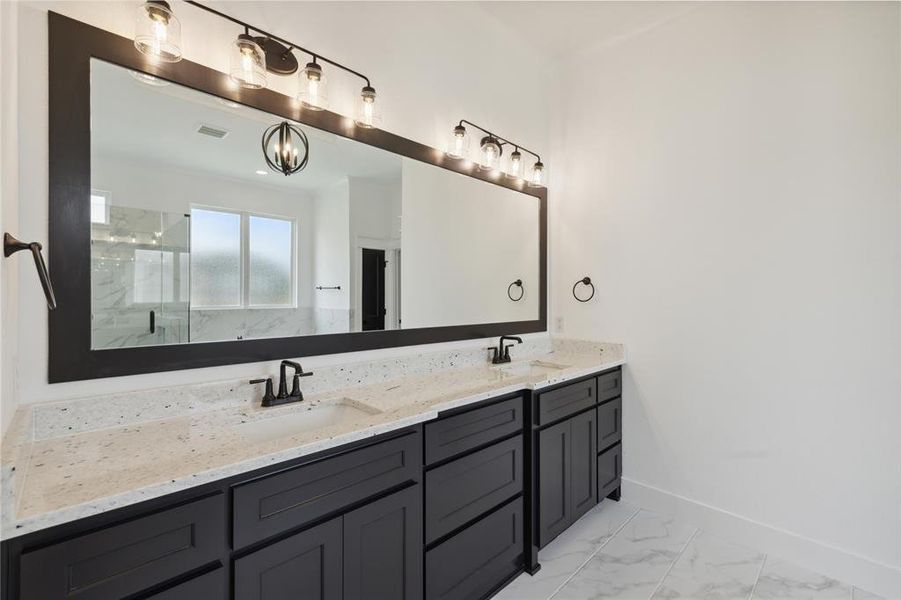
(331, 246)
(8, 210)
(427, 76)
(732, 187)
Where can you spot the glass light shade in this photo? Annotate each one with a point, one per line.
(158, 32)
(489, 154)
(515, 166)
(313, 92)
(369, 112)
(537, 174)
(247, 63)
(458, 143)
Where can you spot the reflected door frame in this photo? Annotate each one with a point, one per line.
(392, 280)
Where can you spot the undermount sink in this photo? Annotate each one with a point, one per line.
(530, 368)
(312, 417)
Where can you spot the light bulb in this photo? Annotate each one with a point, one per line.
(247, 63)
(458, 144)
(313, 87)
(368, 114)
(536, 178)
(514, 168)
(157, 31)
(490, 153)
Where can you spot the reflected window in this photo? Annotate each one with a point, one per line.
(215, 259)
(270, 244)
(242, 260)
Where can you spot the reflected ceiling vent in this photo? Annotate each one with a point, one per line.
(211, 131)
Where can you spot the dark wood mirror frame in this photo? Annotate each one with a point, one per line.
(72, 45)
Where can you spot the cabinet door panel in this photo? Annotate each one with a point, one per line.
(584, 488)
(460, 491)
(554, 476)
(610, 465)
(610, 423)
(450, 436)
(129, 557)
(610, 384)
(478, 559)
(270, 505)
(566, 400)
(306, 566)
(383, 549)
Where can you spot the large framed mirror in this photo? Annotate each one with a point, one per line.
(174, 245)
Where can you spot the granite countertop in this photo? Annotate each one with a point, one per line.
(52, 476)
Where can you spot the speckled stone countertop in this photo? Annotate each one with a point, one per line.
(68, 460)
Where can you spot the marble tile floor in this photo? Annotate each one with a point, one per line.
(621, 551)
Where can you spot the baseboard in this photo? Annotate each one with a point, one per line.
(818, 556)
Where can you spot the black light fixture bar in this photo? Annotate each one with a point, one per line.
(499, 138)
(290, 45)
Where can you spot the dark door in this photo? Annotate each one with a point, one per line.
(306, 566)
(554, 477)
(584, 463)
(383, 549)
(373, 289)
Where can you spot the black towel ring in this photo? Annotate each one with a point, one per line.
(522, 292)
(584, 281)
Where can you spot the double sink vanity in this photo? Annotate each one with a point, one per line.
(435, 477)
(172, 247)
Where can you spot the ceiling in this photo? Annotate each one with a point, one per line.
(137, 121)
(560, 29)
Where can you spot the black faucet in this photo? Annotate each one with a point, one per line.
(502, 352)
(283, 397)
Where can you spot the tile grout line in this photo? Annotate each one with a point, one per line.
(757, 580)
(593, 554)
(675, 560)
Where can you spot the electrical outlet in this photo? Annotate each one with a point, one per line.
(558, 325)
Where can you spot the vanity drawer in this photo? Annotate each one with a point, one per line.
(610, 384)
(454, 435)
(463, 489)
(610, 423)
(565, 401)
(479, 558)
(280, 502)
(130, 557)
(610, 470)
(208, 587)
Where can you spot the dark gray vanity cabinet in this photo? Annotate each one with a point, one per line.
(567, 431)
(567, 473)
(371, 552)
(343, 524)
(474, 510)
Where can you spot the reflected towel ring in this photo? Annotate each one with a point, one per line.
(584, 281)
(522, 292)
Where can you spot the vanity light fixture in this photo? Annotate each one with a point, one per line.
(158, 31)
(247, 63)
(158, 34)
(282, 153)
(490, 152)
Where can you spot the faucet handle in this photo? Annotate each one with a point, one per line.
(268, 396)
